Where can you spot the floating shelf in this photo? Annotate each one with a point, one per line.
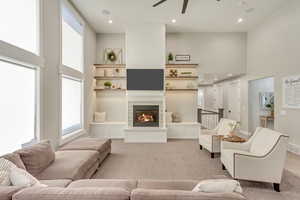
(182, 78)
(108, 90)
(181, 65)
(109, 77)
(194, 90)
(109, 65)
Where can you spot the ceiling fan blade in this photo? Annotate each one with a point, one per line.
(185, 3)
(158, 3)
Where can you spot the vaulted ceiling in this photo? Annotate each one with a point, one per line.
(201, 15)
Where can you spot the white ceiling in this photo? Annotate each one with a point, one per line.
(201, 15)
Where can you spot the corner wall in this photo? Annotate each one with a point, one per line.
(273, 50)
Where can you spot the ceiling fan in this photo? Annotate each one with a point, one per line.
(185, 3)
(184, 7)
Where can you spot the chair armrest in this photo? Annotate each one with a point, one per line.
(234, 145)
(208, 132)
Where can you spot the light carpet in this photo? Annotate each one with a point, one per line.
(182, 159)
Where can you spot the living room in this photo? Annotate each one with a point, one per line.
(149, 99)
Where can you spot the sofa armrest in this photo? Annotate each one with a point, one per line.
(6, 192)
(46, 193)
(235, 146)
(142, 194)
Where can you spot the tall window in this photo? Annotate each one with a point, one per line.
(19, 84)
(71, 104)
(17, 105)
(72, 70)
(19, 22)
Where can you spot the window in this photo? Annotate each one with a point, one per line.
(71, 105)
(17, 105)
(19, 23)
(72, 54)
(72, 40)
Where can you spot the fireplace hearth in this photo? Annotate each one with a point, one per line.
(146, 116)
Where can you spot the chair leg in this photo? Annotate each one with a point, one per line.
(201, 147)
(223, 167)
(276, 187)
(212, 155)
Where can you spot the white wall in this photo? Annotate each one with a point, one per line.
(255, 88)
(145, 46)
(50, 74)
(214, 52)
(273, 50)
(110, 41)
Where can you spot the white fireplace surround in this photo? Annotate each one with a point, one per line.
(146, 134)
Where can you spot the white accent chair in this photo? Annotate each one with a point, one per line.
(210, 139)
(261, 158)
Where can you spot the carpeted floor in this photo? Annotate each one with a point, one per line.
(182, 159)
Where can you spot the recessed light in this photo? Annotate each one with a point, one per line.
(110, 21)
(173, 21)
(240, 20)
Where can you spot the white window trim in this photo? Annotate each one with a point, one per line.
(24, 58)
(71, 73)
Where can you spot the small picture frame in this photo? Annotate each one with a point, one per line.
(185, 58)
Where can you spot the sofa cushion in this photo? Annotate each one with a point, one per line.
(15, 159)
(56, 183)
(148, 194)
(37, 157)
(95, 144)
(69, 165)
(167, 184)
(51, 193)
(6, 192)
(128, 185)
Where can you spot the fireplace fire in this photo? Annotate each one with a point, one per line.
(145, 116)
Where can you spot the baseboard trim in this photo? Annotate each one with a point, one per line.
(294, 148)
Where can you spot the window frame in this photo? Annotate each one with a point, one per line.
(71, 73)
(18, 56)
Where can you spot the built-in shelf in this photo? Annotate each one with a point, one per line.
(181, 65)
(108, 90)
(109, 65)
(191, 90)
(182, 78)
(109, 77)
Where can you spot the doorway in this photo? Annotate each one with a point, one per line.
(234, 101)
(261, 103)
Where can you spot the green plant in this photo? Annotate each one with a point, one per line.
(111, 56)
(107, 84)
(170, 57)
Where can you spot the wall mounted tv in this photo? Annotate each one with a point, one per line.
(145, 79)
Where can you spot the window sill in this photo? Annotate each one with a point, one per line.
(72, 136)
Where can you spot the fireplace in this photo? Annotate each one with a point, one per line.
(145, 115)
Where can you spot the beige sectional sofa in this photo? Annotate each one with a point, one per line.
(66, 174)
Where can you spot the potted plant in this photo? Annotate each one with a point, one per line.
(107, 84)
(170, 58)
(270, 105)
(233, 128)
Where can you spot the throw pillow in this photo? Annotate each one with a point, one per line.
(22, 178)
(37, 157)
(15, 159)
(5, 167)
(4, 178)
(218, 186)
(100, 117)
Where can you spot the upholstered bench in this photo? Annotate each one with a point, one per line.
(103, 146)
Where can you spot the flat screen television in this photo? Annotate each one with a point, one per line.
(145, 79)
